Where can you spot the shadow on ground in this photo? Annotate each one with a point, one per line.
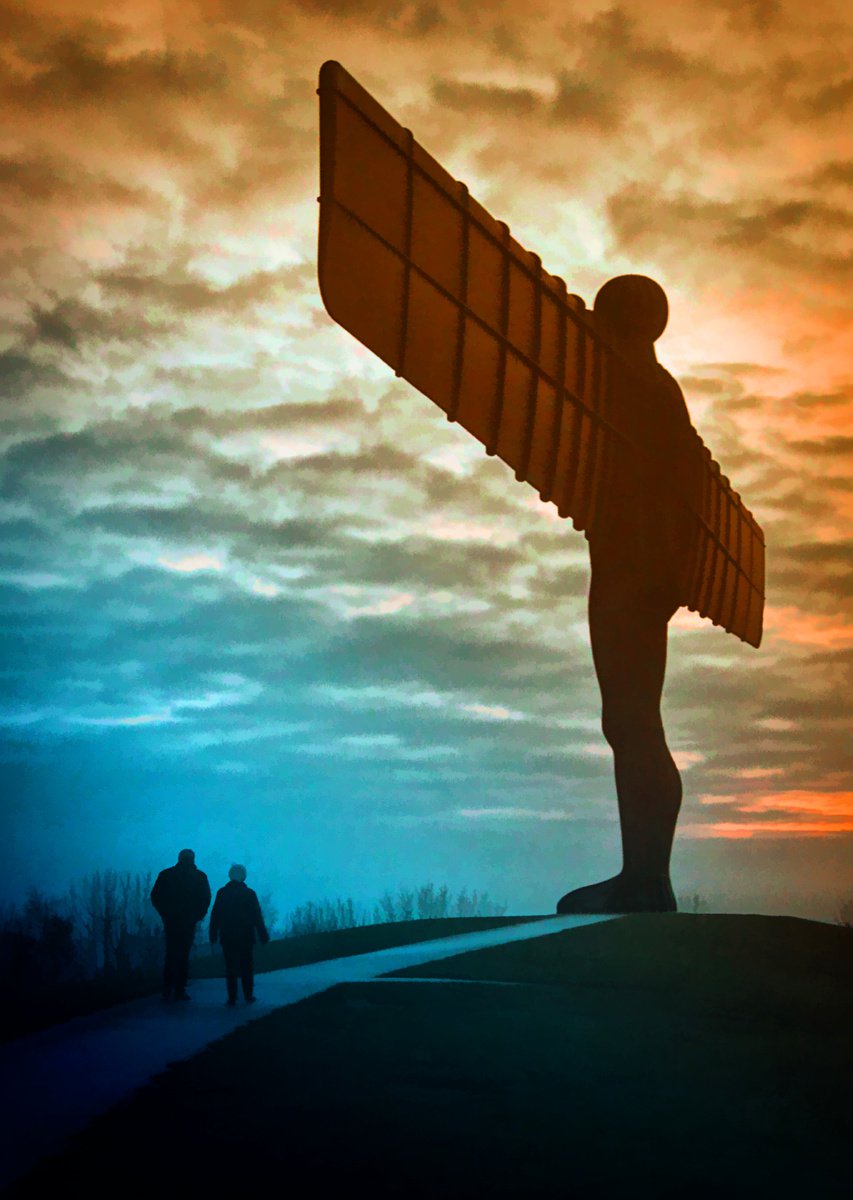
(700, 1055)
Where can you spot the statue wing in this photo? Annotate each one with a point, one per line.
(427, 279)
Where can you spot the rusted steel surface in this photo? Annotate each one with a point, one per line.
(426, 278)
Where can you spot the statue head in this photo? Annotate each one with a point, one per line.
(633, 306)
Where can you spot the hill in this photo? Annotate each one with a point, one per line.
(703, 1055)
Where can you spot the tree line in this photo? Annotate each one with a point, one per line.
(104, 926)
(423, 903)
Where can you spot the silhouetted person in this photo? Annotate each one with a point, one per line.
(181, 895)
(636, 552)
(235, 919)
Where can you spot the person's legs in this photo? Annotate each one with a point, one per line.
(247, 971)
(183, 941)
(169, 962)
(231, 954)
(629, 652)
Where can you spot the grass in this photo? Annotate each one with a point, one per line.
(28, 1010)
(697, 1055)
(342, 943)
(766, 965)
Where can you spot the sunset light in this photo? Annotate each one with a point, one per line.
(261, 597)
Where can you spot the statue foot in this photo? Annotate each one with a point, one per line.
(620, 895)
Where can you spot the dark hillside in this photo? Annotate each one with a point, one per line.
(690, 1056)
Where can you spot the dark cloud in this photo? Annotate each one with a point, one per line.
(749, 229)
(612, 40)
(838, 446)
(820, 571)
(55, 179)
(831, 99)
(213, 123)
(561, 583)
(756, 16)
(178, 289)
(334, 412)
(821, 703)
(52, 325)
(74, 70)
(628, 63)
(71, 324)
(21, 374)
(809, 400)
(468, 569)
(95, 448)
(375, 461)
(707, 385)
(204, 521)
(475, 98)
(796, 236)
(832, 174)
(22, 539)
(394, 16)
(580, 101)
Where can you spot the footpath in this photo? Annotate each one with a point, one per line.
(53, 1083)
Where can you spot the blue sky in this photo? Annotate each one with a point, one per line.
(258, 597)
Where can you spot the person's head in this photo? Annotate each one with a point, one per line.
(633, 306)
(186, 858)
(237, 873)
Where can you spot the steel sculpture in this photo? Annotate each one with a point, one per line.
(572, 400)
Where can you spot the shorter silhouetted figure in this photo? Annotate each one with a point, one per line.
(181, 895)
(234, 920)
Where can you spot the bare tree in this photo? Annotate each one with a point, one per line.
(386, 911)
(323, 916)
(270, 912)
(119, 929)
(406, 905)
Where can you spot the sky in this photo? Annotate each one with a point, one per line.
(258, 597)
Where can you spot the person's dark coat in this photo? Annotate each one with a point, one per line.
(181, 895)
(236, 916)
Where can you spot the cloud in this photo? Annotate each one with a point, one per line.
(384, 607)
(186, 293)
(157, 718)
(793, 813)
(488, 98)
(794, 625)
(515, 813)
(192, 563)
(582, 102)
(838, 446)
(799, 237)
(492, 712)
(198, 467)
(20, 375)
(685, 759)
(832, 174)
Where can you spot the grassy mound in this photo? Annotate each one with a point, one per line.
(342, 943)
(698, 1056)
(770, 966)
(25, 1010)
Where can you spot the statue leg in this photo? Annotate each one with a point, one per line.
(629, 652)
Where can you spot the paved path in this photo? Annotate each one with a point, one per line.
(54, 1082)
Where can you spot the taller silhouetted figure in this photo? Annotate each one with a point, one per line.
(181, 895)
(574, 401)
